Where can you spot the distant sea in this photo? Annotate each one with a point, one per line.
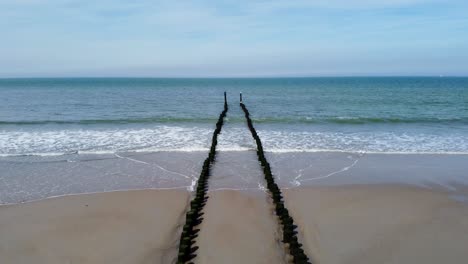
(110, 115)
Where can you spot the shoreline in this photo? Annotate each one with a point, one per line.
(338, 224)
(26, 179)
(205, 150)
(94, 193)
(462, 199)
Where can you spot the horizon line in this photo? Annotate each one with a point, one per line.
(235, 77)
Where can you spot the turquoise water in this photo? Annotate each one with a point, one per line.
(60, 116)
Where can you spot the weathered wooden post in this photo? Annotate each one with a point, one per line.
(225, 98)
(241, 97)
(287, 222)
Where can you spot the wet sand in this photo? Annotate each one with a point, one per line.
(118, 227)
(338, 224)
(239, 227)
(380, 224)
(24, 179)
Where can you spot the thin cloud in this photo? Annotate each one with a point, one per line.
(71, 37)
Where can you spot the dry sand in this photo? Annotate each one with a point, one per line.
(380, 224)
(118, 227)
(239, 227)
(352, 224)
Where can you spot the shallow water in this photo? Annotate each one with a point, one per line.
(70, 136)
(32, 178)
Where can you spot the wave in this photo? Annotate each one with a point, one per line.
(190, 139)
(266, 120)
(362, 120)
(111, 121)
(278, 151)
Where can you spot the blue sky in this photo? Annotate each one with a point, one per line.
(47, 38)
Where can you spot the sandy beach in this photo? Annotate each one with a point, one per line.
(380, 224)
(116, 227)
(234, 132)
(239, 227)
(339, 224)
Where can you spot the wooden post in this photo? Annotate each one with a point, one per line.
(225, 98)
(241, 97)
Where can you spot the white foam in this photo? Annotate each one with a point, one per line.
(193, 139)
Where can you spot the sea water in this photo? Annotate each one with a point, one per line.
(69, 136)
(383, 115)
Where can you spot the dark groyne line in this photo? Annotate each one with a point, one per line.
(287, 222)
(194, 215)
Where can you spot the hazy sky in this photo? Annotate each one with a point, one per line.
(233, 38)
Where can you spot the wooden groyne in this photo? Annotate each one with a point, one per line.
(194, 217)
(287, 222)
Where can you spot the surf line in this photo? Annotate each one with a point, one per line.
(194, 216)
(287, 222)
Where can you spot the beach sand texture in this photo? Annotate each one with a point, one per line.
(238, 226)
(380, 224)
(116, 227)
(343, 224)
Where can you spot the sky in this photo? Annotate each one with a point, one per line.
(233, 38)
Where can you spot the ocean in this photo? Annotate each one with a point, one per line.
(71, 136)
(111, 115)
